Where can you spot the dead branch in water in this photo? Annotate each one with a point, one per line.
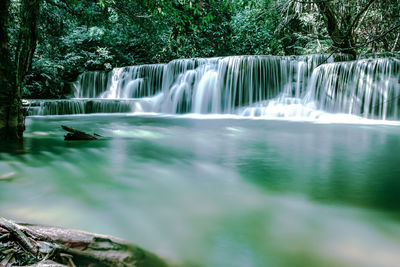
(75, 135)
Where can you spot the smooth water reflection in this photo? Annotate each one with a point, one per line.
(216, 192)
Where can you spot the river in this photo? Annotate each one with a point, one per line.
(216, 190)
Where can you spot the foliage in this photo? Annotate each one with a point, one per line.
(349, 26)
(253, 25)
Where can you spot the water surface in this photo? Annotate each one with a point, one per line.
(216, 192)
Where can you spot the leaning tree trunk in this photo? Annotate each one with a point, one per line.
(12, 76)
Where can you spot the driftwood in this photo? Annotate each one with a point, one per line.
(74, 134)
(36, 245)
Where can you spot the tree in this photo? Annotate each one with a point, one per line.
(13, 73)
(343, 20)
(254, 27)
(8, 121)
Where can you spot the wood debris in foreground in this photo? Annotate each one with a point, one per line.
(37, 245)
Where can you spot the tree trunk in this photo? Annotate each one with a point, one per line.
(7, 79)
(12, 76)
(26, 47)
(342, 39)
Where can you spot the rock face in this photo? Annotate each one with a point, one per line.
(37, 245)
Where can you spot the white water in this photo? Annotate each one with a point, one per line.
(367, 88)
(303, 87)
(120, 83)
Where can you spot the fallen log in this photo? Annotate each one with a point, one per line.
(37, 245)
(74, 135)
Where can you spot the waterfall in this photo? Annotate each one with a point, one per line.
(221, 85)
(255, 86)
(86, 106)
(180, 79)
(92, 84)
(120, 83)
(367, 88)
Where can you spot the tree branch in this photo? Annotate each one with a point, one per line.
(396, 42)
(370, 41)
(332, 23)
(25, 242)
(354, 25)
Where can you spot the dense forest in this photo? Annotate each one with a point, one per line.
(46, 44)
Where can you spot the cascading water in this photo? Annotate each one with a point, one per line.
(368, 88)
(221, 85)
(91, 84)
(263, 86)
(121, 83)
(86, 106)
(181, 79)
(118, 91)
